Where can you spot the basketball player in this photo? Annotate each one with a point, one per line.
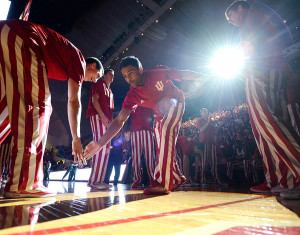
(266, 93)
(153, 89)
(30, 54)
(99, 112)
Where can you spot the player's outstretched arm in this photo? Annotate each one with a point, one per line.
(74, 112)
(191, 75)
(115, 126)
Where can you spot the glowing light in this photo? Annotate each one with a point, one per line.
(4, 8)
(173, 102)
(228, 62)
(197, 84)
(156, 21)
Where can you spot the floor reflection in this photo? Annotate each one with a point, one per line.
(12, 216)
(292, 205)
(76, 198)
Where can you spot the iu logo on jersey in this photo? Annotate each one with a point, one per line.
(159, 86)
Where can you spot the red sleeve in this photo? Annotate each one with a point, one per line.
(98, 88)
(129, 102)
(77, 65)
(94, 89)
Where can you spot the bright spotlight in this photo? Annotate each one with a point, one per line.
(228, 62)
(197, 84)
(4, 8)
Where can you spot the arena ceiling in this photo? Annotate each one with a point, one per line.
(177, 33)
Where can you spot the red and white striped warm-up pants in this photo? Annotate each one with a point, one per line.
(26, 100)
(142, 142)
(209, 157)
(100, 160)
(277, 142)
(166, 130)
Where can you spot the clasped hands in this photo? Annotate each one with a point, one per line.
(90, 150)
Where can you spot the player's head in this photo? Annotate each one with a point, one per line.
(108, 76)
(204, 112)
(130, 60)
(94, 69)
(131, 69)
(235, 11)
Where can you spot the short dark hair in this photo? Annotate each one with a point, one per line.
(130, 60)
(234, 6)
(108, 70)
(91, 60)
(203, 109)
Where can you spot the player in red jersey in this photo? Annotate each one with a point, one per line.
(274, 125)
(30, 54)
(153, 89)
(205, 125)
(99, 112)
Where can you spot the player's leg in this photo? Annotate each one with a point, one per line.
(148, 140)
(279, 146)
(29, 108)
(169, 128)
(98, 129)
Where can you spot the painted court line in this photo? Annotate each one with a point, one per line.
(133, 219)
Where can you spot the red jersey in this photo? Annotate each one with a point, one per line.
(158, 92)
(207, 136)
(62, 59)
(185, 145)
(257, 29)
(141, 119)
(106, 99)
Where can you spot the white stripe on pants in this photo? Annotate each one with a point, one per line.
(167, 170)
(294, 112)
(277, 143)
(142, 142)
(100, 160)
(25, 85)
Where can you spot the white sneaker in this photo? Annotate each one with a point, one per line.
(108, 185)
(278, 189)
(99, 186)
(32, 193)
(291, 193)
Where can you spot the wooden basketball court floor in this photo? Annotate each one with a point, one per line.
(120, 210)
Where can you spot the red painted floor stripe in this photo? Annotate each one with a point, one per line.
(128, 220)
(260, 230)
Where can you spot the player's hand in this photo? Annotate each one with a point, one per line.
(77, 151)
(105, 120)
(91, 149)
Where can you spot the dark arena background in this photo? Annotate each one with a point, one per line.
(181, 34)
